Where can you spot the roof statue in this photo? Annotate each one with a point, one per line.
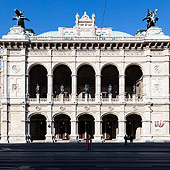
(20, 18)
(151, 18)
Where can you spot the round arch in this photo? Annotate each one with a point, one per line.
(35, 64)
(37, 127)
(110, 63)
(110, 81)
(38, 77)
(62, 126)
(62, 78)
(85, 126)
(60, 64)
(86, 77)
(133, 81)
(109, 126)
(133, 125)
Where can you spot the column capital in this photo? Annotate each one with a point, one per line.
(98, 75)
(122, 75)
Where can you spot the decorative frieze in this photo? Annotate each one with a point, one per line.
(134, 53)
(38, 53)
(111, 53)
(62, 53)
(15, 52)
(86, 53)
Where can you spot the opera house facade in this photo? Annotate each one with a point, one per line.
(84, 82)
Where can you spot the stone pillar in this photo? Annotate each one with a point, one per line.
(50, 88)
(48, 136)
(4, 102)
(121, 130)
(98, 88)
(38, 98)
(86, 98)
(122, 88)
(110, 98)
(74, 88)
(74, 130)
(98, 135)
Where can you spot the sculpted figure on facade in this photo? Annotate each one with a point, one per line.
(110, 89)
(37, 89)
(151, 18)
(86, 88)
(62, 89)
(20, 18)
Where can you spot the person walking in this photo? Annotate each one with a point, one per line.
(126, 138)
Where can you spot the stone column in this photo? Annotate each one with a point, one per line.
(98, 135)
(4, 102)
(122, 88)
(74, 88)
(50, 88)
(98, 88)
(121, 130)
(48, 136)
(74, 130)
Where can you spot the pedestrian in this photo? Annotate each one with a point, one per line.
(131, 138)
(126, 138)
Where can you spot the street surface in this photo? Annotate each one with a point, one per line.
(56, 156)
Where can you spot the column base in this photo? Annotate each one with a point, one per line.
(48, 139)
(120, 138)
(97, 139)
(13, 139)
(4, 139)
(73, 139)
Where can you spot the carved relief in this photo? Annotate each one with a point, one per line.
(111, 108)
(15, 68)
(38, 53)
(134, 108)
(62, 53)
(134, 53)
(62, 108)
(86, 108)
(15, 52)
(86, 53)
(157, 69)
(14, 87)
(38, 108)
(111, 53)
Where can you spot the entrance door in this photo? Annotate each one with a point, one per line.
(86, 126)
(133, 122)
(38, 127)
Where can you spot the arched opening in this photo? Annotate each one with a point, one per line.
(86, 126)
(133, 81)
(110, 81)
(133, 125)
(37, 127)
(62, 76)
(109, 126)
(38, 76)
(62, 126)
(86, 76)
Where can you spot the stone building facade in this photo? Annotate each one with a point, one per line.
(84, 81)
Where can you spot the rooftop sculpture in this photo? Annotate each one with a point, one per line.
(151, 18)
(20, 18)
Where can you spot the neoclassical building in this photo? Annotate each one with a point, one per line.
(84, 81)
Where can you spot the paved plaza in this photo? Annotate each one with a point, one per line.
(37, 156)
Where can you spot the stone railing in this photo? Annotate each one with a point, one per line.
(95, 38)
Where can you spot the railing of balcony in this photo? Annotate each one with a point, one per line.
(95, 38)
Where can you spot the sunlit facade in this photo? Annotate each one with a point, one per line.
(84, 82)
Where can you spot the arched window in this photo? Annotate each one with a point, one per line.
(38, 76)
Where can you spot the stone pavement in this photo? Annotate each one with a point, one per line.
(37, 156)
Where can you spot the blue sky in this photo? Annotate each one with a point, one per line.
(48, 15)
